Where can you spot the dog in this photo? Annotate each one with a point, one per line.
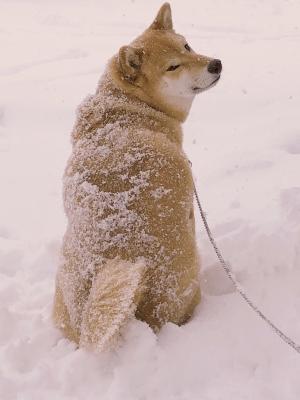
(129, 250)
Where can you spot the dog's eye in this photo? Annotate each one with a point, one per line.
(187, 47)
(173, 67)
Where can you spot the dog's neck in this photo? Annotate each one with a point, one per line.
(121, 103)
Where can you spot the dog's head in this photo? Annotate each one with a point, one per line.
(164, 70)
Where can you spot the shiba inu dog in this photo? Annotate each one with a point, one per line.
(129, 249)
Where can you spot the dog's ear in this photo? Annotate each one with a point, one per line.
(130, 61)
(163, 20)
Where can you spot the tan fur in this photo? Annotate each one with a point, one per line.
(130, 244)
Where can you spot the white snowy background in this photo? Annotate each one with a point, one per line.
(243, 138)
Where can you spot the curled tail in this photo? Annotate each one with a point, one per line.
(112, 302)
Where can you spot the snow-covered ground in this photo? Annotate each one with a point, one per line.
(243, 138)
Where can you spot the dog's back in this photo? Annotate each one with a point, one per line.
(128, 198)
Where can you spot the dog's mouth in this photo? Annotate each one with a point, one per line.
(197, 89)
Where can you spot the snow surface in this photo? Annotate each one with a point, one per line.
(243, 138)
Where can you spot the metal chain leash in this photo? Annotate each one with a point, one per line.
(237, 286)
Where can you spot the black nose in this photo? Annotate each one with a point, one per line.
(215, 67)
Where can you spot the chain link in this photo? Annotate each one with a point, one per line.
(237, 286)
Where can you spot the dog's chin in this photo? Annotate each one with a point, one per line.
(197, 89)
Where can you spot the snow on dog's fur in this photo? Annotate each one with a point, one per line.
(129, 249)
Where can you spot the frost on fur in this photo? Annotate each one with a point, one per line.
(127, 196)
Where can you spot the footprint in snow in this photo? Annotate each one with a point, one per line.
(293, 145)
(1, 120)
(290, 204)
(215, 282)
(227, 228)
